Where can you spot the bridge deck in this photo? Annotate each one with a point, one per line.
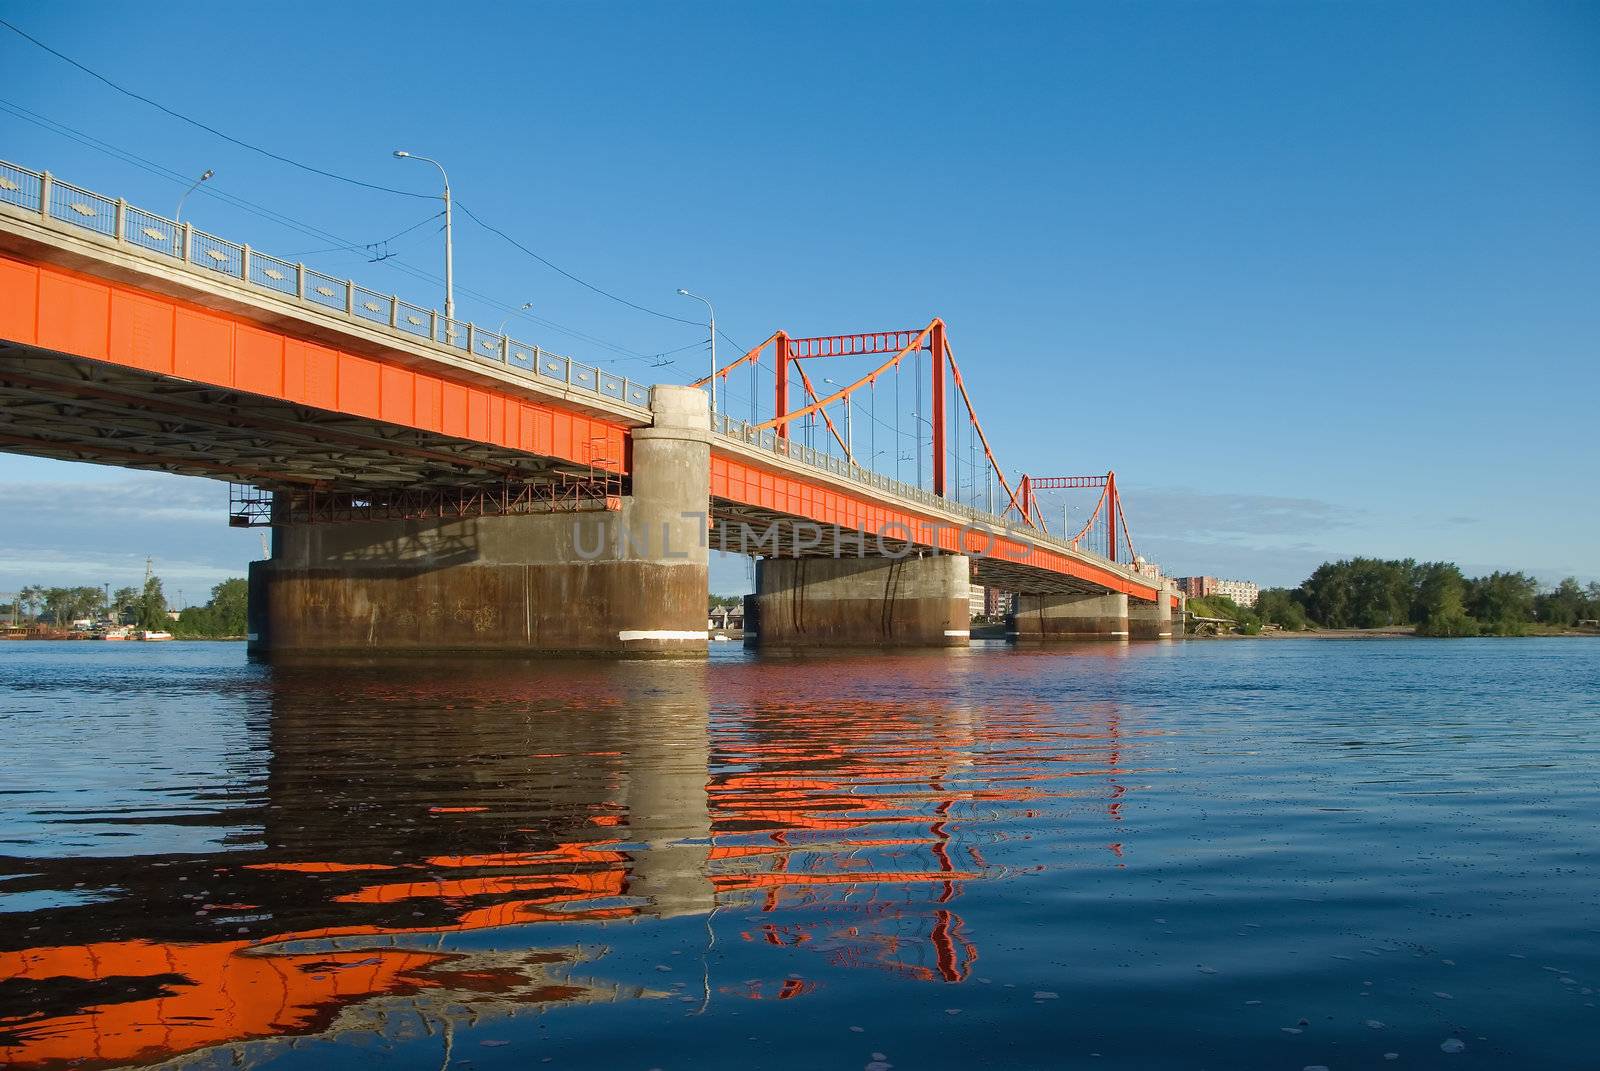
(121, 346)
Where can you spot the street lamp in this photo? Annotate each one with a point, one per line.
(849, 432)
(524, 307)
(710, 309)
(178, 216)
(449, 249)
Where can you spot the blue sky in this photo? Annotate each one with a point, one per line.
(1315, 279)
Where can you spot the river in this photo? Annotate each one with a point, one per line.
(1250, 854)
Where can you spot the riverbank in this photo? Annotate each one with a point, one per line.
(62, 636)
(1390, 632)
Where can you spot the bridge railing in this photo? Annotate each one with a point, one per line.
(170, 241)
(769, 440)
(181, 244)
(982, 520)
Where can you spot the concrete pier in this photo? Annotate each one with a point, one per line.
(1049, 618)
(861, 602)
(624, 582)
(667, 750)
(1150, 620)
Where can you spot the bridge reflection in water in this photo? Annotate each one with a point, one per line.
(394, 822)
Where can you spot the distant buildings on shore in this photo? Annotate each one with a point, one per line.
(1242, 592)
(989, 602)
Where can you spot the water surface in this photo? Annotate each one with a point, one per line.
(1272, 854)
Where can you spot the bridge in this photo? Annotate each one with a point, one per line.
(432, 484)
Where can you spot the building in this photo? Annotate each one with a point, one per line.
(991, 603)
(726, 618)
(1243, 592)
(1146, 568)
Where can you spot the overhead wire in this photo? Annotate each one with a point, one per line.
(369, 245)
(161, 171)
(337, 177)
(492, 229)
(344, 245)
(300, 226)
(125, 91)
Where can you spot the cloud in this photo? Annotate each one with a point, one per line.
(141, 496)
(71, 532)
(1160, 511)
(1283, 565)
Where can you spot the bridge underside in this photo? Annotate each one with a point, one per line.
(74, 409)
(743, 529)
(382, 454)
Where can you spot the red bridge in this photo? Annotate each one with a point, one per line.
(433, 484)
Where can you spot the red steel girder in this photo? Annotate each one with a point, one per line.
(856, 345)
(1057, 483)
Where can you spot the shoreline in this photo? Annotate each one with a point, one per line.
(1393, 632)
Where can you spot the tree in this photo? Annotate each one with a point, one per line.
(1360, 593)
(1565, 606)
(1438, 604)
(1280, 606)
(69, 604)
(122, 600)
(223, 617)
(1224, 607)
(1502, 602)
(229, 606)
(1326, 594)
(1439, 586)
(151, 610)
(32, 600)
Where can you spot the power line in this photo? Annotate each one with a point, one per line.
(562, 271)
(202, 126)
(343, 244)
(160, 171)
(369, 245)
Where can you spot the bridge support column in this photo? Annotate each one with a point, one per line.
(1049, 618)
(623, 582)
(1151, 620)
(861, 602)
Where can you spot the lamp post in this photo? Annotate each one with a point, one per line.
(713, 314)
(849, 431)
(524, 307)
(449, 248)
(195, 185)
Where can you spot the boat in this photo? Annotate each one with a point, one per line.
(113, 632)
(150, 635)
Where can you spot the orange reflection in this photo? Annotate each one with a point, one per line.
(846, 830)
(826, 805)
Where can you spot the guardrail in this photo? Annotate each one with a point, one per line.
(769, 440)
(170, 241)
(145, 232)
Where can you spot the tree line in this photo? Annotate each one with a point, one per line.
(1436, 598)
(146, 607)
